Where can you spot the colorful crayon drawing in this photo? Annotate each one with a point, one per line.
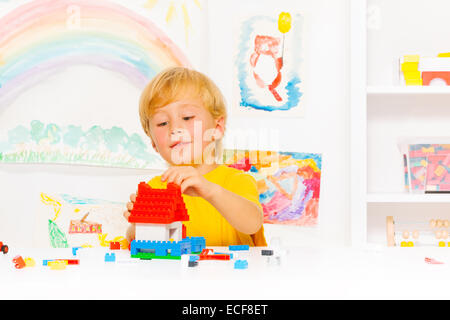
(67, 225)
(268, 63)
(288, 183)
(43, 40)
(429, 167)
(50, 143)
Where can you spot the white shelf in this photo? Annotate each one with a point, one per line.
(407, 198)
(407, 90)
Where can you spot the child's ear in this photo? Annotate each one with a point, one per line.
(220, 128)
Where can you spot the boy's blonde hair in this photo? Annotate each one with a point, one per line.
(177, 83)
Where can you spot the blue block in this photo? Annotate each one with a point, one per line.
(74, 250)
(239, 247)
(161, 248)
(241, 264)
(110, 257)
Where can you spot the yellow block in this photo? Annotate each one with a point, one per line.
(410, 244)
(412, 75)
(403, 244)
(417, 82)
(29, 262)
(444, 55)
(410, 66)
(57, 264)
(441, 244)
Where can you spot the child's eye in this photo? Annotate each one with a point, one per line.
(162, 124)
(188, 118)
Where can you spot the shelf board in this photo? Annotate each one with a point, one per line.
(407, 198)
(407, 90)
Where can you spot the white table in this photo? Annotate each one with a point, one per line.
(304, 273)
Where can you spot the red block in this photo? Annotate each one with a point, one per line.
(18, 261)
(114, 245)
(158, 205)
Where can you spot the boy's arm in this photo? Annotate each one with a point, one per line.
(244, 215)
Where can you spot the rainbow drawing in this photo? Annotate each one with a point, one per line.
(44, 37)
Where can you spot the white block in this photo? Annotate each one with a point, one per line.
(159, 232)
(151, 231)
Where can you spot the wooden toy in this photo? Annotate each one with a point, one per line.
(434, 232)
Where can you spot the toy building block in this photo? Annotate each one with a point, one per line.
(4, 248)
(205, 256)
(74, 250)
(110, 257)
(238, 247)
(158, 231)
(29, 262)
(158, 205)
(57, 264)
(197, 244)
(192, 263)
(114, 245)
(19, 263)
(241, 264)
(66, 261)
(267, 252)
(159, 249)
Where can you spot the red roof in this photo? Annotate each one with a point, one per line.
(158, 205)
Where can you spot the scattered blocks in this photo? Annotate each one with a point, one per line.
(238, 247)
(241, 264)
(110, 257)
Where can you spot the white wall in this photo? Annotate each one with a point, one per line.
(324, 129)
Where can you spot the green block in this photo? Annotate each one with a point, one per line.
(151, 255)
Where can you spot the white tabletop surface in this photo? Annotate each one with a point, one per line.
(304, 273)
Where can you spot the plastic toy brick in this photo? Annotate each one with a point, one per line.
(57, 264)
(19, 263)
(156, 249)
(110, 257)
(239, 247)
(241, 264)
(267, 252)
(4, 248)
(74, 250)
(158, 205)
(197, 243)
(66, 261)
(29, 262)
(192, 263)
(114, 245)
(205, 256)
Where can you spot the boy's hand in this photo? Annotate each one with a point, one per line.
(127, 213)
(191, 182)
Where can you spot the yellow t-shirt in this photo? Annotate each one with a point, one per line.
(205, 221)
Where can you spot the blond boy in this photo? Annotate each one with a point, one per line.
(184, 114)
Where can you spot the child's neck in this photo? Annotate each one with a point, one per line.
(205, 168)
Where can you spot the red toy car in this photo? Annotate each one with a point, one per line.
(3, 248)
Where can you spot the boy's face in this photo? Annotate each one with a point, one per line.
(183, 131)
